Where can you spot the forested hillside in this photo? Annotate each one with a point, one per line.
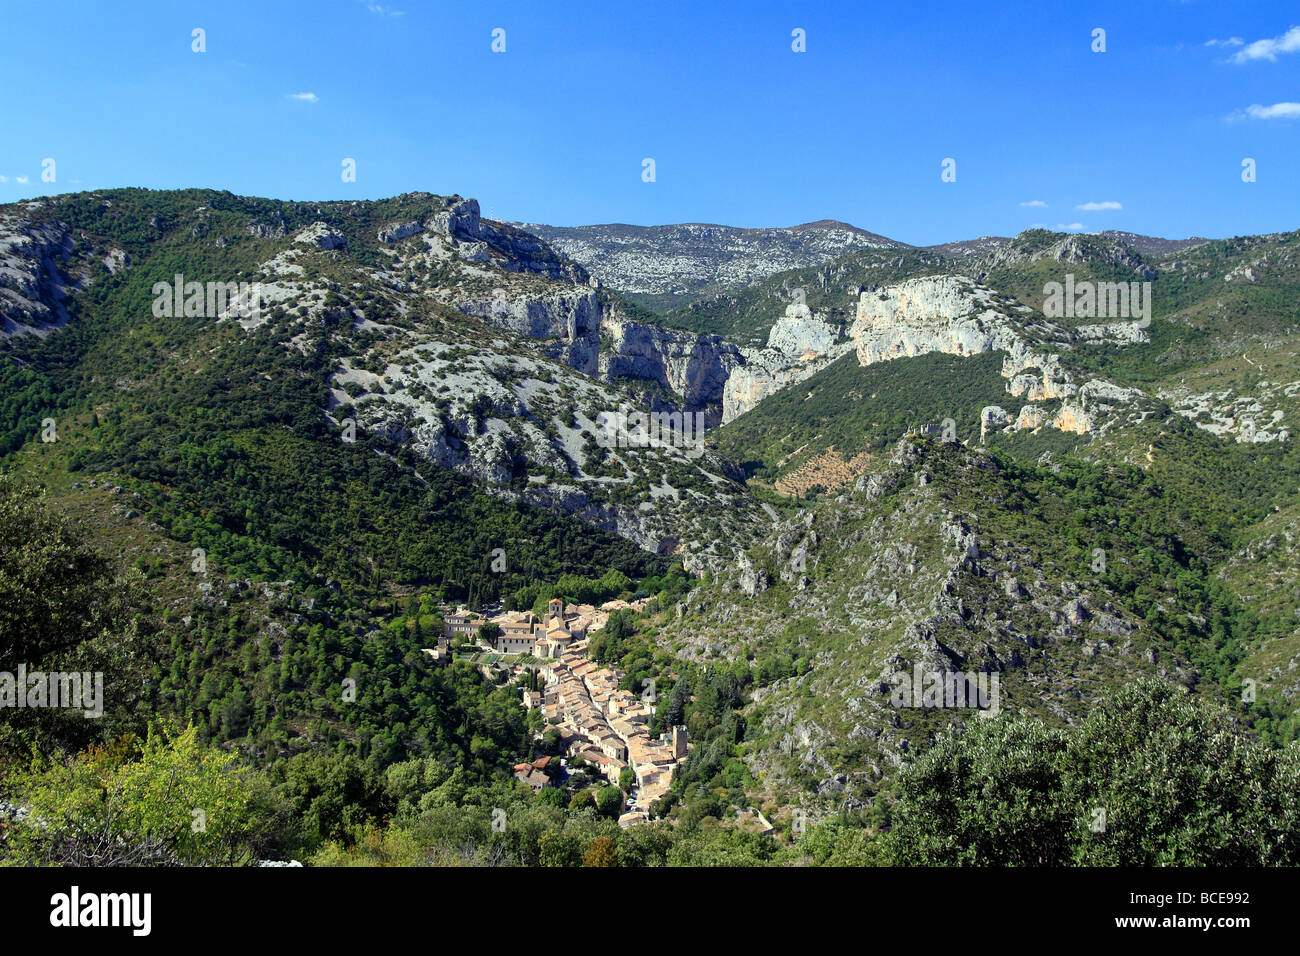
(254, 526)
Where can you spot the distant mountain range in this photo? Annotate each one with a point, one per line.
(663, 266)
(666, 267)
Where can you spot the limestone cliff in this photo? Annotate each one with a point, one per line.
(568, 319)
(799, 345)
(958, 316)
(707, 373)
(947, 313)
(505, 276)
(34, 276)
(693, 367)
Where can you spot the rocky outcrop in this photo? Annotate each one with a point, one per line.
(1127, 333)
(992, 417)
(934, 314)
(33, 276)
(948, 313)
(801, 335)
(1257, 418)
(504, 276)
(694, 367)
(1073, 418)
(399, 231)
(799, 345)
(275, 229)
(571, 320)
(957, 316)
(765, 373)
(459, 228)
(321, 236)
(1030, 247)
(1078, 414)
(708, 373)
(953, 315)
(1031, 418)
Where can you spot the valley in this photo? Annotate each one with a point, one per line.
(913, 458)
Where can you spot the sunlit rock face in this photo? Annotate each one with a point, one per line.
(935, 314)
(695, 368)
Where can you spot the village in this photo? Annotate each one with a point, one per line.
(602, 726)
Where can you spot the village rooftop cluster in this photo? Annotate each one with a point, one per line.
(600, 723)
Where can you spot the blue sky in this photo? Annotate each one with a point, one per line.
(743, 130)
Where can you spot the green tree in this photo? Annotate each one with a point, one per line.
(1179, 784)
(332, 795)
(63, 609)
(55, 592)
(609, 801)
(1152, 777)
(168, 799)
(991, 796)
(559, 849)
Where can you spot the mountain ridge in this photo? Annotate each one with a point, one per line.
(917, 468)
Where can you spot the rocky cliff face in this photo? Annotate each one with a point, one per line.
(503, 275)
(707, 373)
(800, 334)
(799, 345)
(937, 314)
(956, 315)
(568, 322)
(695, 368)
(948, 313)
(36, 275)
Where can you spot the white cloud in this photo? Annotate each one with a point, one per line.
(20, 179)
(4, 179)
(1288, 42)
(1069, 227)
(1231, 41)
(1099, 206)
(382, 10)
(305, 97)
(1034, 202)
(1276, 111)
